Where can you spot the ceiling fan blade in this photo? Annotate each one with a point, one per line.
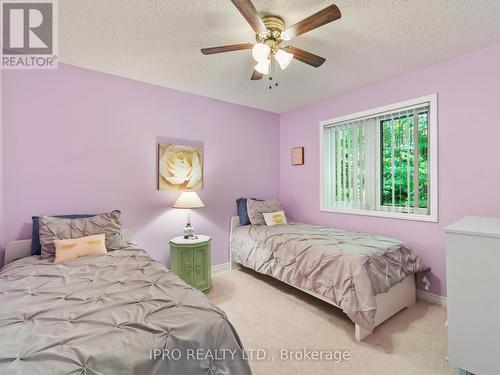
(306, 57)
(247, 9)
(228, 48)
(256, 75)
(321, 18)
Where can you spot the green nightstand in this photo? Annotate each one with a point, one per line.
(190, 260)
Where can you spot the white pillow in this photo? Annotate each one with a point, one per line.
(274, 218)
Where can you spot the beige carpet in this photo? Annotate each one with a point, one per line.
(272, 316)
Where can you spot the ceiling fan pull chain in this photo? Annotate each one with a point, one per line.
(276, 84)
(271, 76)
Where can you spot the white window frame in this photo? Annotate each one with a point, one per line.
(433, 160)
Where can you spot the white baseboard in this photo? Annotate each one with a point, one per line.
(432, 298)
(221, 268)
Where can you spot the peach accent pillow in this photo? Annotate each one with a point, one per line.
(80, 247)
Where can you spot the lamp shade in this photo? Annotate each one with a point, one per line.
(263, 66)
(283, 58)
(188, 199)
(260, 52)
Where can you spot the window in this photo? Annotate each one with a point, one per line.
(382, 162)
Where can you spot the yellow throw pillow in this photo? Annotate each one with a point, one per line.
(80, 247)
(274, 218)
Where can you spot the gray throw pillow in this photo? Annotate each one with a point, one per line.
(256, 208)
(53, 228)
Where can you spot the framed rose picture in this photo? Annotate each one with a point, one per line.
(180, 167)
(298, 156)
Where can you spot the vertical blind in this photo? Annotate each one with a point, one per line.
(378, 162)
(345, 157)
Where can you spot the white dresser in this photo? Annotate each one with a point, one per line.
(473, 278)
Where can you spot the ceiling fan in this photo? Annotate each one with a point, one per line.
(271, 32)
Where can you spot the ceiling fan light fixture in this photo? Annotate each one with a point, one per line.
(285, 36)
(260, 52)
(283, 58)
(270, 32)
(263, 66)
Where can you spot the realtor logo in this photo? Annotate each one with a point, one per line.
(29, 34)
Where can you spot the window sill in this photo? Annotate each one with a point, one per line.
(391, 215)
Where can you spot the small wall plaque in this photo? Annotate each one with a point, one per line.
(298, 156)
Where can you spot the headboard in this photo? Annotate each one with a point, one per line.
(235, 223)
(22, 249)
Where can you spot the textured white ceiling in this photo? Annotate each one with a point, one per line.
(159, 41)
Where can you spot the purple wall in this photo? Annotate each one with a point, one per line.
(81, 141)
(468, 91)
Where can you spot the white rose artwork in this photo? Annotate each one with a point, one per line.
(180, 167)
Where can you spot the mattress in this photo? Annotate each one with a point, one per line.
(122, 313)
(347, 268)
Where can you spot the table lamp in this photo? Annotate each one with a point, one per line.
(188, 200)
